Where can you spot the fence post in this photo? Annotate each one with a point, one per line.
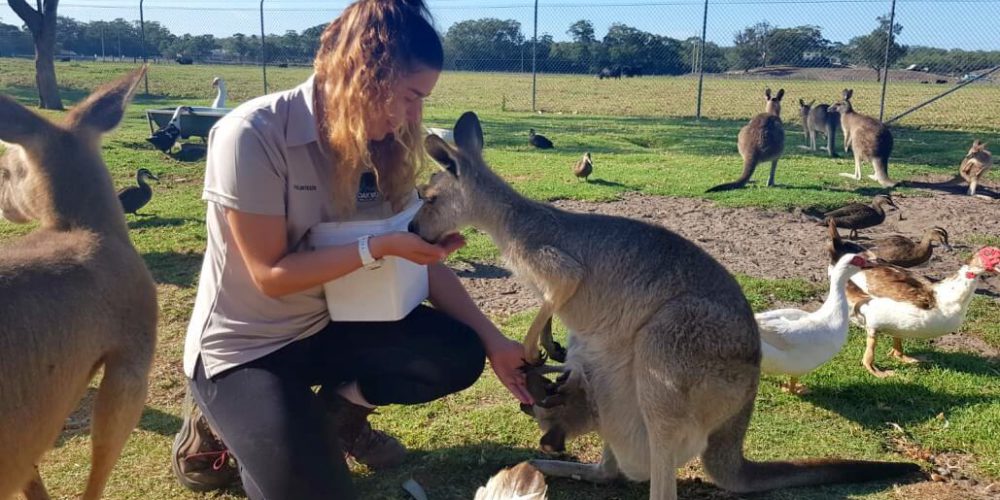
(701, 61)
(885, 62)
(534, 50)
(263, 46)
(142, 34)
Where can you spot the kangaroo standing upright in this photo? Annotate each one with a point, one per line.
(661, 332)
(763, 139)
(867, 137)
(819, 119)
(77, 297)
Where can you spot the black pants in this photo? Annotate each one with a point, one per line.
(273, 422)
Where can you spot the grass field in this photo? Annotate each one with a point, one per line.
(950, 405)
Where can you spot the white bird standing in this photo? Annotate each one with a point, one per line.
(220, 96)
(795, 342)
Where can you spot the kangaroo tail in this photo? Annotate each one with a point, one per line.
(881, 166)
(522, 481)
(725, 463)
(749, 164)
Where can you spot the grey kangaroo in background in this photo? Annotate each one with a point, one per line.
(662, 338)
(819, 119)
(867, 137)
(763, 139)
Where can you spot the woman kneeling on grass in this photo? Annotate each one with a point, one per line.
(260, 335)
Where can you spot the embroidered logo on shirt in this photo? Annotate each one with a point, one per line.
(301, 187)
(367, 189)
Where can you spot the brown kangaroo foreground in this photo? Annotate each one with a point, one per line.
(664, 351)
(76, 296)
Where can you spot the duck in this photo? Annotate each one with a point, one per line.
(539, 141)
(975, 165)
(895, 301)
(904, 252)
(164, 138)
(133, 198)
(220, 97)
(795, 342)
(856, 216)
(584, 167)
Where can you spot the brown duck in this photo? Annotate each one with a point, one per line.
(856, 216)
(904, 252)
(584, 167)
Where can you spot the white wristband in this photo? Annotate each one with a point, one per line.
(367, 260)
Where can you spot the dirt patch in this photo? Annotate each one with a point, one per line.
(762, 243)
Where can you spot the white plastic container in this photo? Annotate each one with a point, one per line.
(388, 293)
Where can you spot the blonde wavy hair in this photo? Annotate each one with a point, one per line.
(362, 54)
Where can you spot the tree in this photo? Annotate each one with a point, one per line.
(42, 24)
(487, 44)
(238, 45)
(869, 49)
(790, 45)
(14, 41)
(752, 46)
(582, 32)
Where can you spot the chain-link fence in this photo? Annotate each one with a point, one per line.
(676, 58)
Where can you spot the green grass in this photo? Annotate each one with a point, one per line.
(459, 441)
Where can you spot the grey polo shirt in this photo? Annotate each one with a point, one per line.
(263, 158)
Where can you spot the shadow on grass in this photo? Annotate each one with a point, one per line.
(78, 423)
(152, 220)
(29, 95)
(960, 188)
(456, 472)
(482, 271)
(873, 404)
(174, 268)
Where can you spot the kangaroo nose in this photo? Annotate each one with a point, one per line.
(413, 228)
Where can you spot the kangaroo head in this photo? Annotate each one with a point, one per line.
(977, 147)
(773, 104)
(844, 104)
(570, 416)
(449, 201)
(50, 171)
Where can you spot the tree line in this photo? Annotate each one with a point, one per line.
(491, 44)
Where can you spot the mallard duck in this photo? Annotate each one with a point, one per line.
(220, 95)
(856, 216)
(975, 165)
(902, 304)
(539, 141)
(164, 138)
(795, 342)
(904, 252)
(584, 167)
(133, 198)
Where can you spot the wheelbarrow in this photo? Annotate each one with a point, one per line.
(197, 123)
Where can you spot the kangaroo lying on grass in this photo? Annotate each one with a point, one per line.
(661, 332)
(76, 295)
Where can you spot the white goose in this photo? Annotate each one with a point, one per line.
(220, 96)
(794, 342)
(904, 305)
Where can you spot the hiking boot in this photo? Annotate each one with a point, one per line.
(368, 446)
(199, 459)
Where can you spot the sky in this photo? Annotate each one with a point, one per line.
(941, 23)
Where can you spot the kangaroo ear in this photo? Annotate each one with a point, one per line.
(781, 93)
(19, 125)
(442, 153)
(104, 108)
(802, 103)
(812, 102)
(848, 93)
(767, 93)
(468, 133)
